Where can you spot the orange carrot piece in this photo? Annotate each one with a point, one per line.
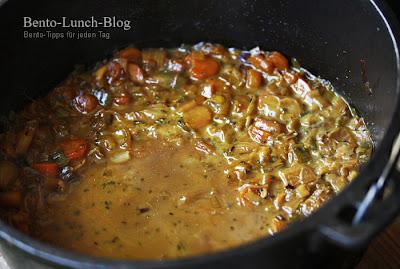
(278, 60)
(46, 169)
(75, 149)
(204, 68)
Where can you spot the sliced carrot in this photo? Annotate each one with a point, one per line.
(75, 149)
(260, 62)
(46, 169)
(278, 60)
(85, 103)
(131, 54)
(254, 78)
(135, 73)
(204, 68)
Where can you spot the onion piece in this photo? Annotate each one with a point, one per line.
(120, 156)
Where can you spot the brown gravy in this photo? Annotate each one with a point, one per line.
(148, 208)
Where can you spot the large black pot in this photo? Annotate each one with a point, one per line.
(328, 37)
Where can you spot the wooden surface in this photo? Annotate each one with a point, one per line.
(384, 251)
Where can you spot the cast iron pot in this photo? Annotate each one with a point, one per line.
(350, 43)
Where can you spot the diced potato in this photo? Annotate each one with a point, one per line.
(120, 156)
(302, 191)
(218, 104)
(197, 117)
(337, 182)
(291, 109)
(123, 138)
(269, 106)
(254, 79)
(315, 101)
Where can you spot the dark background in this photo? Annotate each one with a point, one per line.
(395, 5)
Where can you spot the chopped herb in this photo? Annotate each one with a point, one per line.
(180, 246)
(108, 183)
(107, 204)
(60, 158)
(115, 239)
(144, 210)
(107, 173)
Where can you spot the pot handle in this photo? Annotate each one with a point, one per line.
(358, 224)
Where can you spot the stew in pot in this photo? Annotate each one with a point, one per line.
(164, 153)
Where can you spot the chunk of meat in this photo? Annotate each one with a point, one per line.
(46, 169)
(263, 128)
(297, 174)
